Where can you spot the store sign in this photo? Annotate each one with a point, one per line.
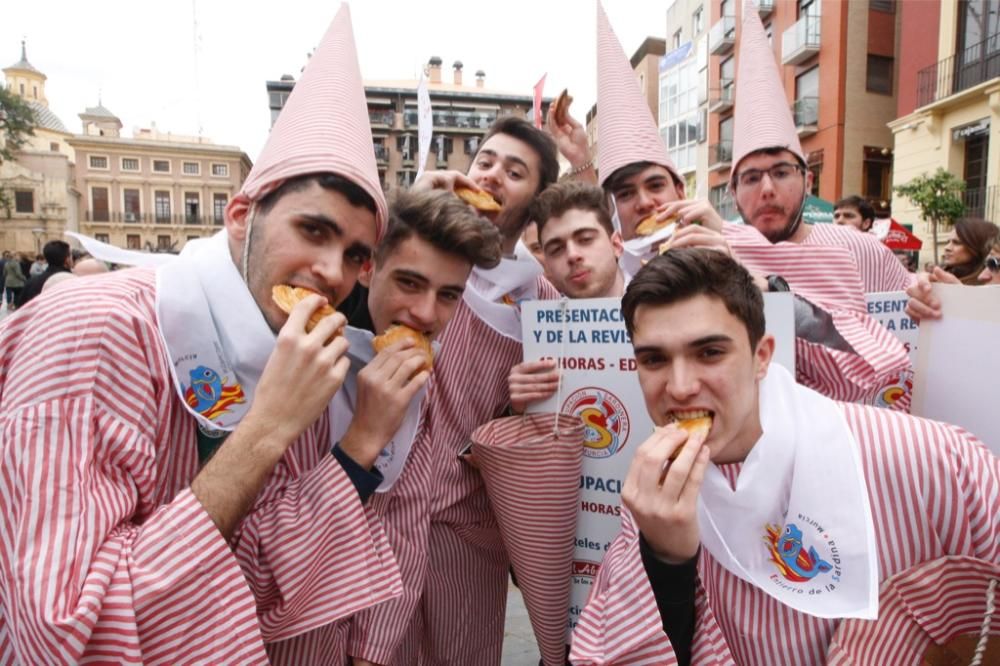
(978, 128)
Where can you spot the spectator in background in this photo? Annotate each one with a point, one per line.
(967, 248)
(38, 267)
(530, 239)
(13, 280)
(853, 211)
(924, 305)
(3, 264)
(58, 258)
(26, 264)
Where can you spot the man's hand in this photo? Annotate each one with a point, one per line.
(695, 235)
(300, 378)
(922, 303)
(571, 140)
(531, 381)
(443, 180)
(385, 388)
(304, 370)
(692, 211)
(665, 508)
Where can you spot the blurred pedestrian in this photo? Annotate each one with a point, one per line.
(967, 248)
(38, 266)
(13, 280)
(58, 259)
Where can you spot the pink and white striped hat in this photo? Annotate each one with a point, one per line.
(628, 132)
(323, 127)
(763, 117)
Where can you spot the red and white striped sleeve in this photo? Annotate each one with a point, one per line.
(375, 634)
(311, 552)
(850, 377)
(621, 623)
(91, 568)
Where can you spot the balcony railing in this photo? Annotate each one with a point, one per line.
(118, 217)
(722, 36)
(381, 153)
(805, 113)
(721, 99)
(720, 155)
(765, 7)
(800, 41)
(454, 119)
(382, 118)
(983, 202)
(724, 205)
(977, 64)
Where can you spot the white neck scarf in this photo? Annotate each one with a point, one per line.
(495, 294)
(798, 525)
(393, 457)
(216, 337)
(641, 249)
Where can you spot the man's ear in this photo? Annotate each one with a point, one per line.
(366, 272)
(617, 244)
(763, 356)
(236, 216)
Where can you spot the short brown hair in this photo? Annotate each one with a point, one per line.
(539, 141)
(570, 195)
(684, 273)
(443, 220)
(620, 175)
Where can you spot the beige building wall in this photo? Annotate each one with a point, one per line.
(45, 176)
(923, 143)
(866, 114)
(118, 165)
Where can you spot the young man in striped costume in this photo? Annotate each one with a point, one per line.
(437, 515)
(784, 515)
(840, 350)
(170, 491)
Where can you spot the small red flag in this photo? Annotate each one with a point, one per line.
(537, 107)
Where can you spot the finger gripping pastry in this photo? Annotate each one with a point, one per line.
(287, 297)
(398, 332)
(561, 107)
(650, 225)
(478, 199)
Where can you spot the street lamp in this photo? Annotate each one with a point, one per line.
(38, 239)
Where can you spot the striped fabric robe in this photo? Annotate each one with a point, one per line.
(105, 553)
(438, 518)
(934, 491)
(828, 276)
(879, 268)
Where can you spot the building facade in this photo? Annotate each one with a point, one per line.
(837, 62)
(949, 104)
(154, 191)
(38, 198)
(462, 113)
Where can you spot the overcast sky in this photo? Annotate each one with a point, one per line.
(140, 54)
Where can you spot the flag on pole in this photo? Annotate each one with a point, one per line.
(537, 107)
(425, 124)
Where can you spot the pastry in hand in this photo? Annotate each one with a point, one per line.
(287, 297)
(478, 199)
(398, 332)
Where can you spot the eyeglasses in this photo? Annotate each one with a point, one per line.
(993, 263)
(780, 173)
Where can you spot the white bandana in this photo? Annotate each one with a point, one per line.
(393, 457)
(799, 525)
(495, 294)
(216, 337)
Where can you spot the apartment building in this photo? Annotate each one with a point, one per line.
(462, 113)
(949, 103)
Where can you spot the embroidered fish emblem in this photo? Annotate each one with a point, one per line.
(209, 394)
(789, 555)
